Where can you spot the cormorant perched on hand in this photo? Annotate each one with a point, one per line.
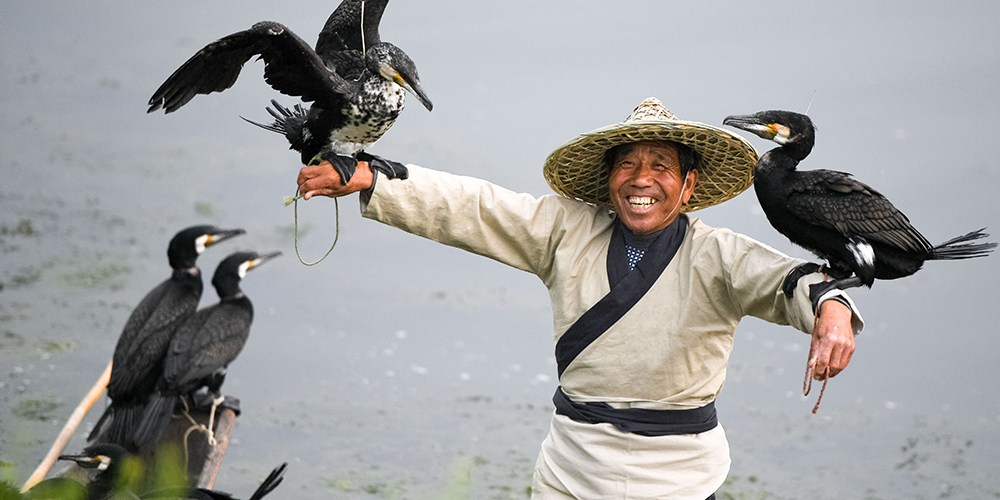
(856, 229)
(204, 346)
(142, 346)
(355, 81)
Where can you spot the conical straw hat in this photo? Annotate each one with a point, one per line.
(725, 167)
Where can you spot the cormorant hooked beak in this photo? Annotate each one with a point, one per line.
(101, 462)
(414, 89)
(752, 123)
(260, 260)
(221, 236)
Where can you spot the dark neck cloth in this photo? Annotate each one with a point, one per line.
(635, 245)
(627, 287)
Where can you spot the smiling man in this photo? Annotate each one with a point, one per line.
(645, 299)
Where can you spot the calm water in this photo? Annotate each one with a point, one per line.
(402, 369)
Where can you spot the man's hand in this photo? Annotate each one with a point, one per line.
(323, 180)
(832, 340)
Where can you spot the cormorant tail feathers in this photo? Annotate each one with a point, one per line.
(155, 420)
(961, 248)
(117, 424)
(270, 483)
(287, 122)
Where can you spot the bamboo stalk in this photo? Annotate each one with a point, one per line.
(68, 430)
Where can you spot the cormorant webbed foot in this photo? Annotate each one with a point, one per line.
(818, 290)
(343, 164)
(792, 280)
(388, 168)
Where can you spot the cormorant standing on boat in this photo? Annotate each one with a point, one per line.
(142, 346)
(204, 346)
(856, 229)
(355, 81)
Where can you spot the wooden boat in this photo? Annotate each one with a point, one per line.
(202, 461)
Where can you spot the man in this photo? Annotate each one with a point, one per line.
(645, 299)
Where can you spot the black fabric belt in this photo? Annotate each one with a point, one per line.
(641, 421)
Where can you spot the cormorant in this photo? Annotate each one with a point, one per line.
(142, 346)
(355, 81)
(204, 346)
(108, 459)
(846, 222)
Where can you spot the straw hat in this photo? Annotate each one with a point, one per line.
(725, 168)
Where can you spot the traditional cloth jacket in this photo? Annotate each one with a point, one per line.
(668, 352)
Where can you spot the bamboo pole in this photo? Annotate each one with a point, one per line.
(68, 430)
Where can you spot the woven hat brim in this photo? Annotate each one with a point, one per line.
(576, 169)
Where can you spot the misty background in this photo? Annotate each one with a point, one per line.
(400, 368)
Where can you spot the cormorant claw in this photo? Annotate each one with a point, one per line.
(388, 168)
(792, 280)
(343, 164)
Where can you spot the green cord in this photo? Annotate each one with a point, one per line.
(296, 234)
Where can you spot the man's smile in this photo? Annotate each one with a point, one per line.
(641, 202)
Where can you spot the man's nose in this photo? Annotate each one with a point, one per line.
(642, 176)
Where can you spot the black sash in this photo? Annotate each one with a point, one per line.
(640, 421)
(626, 288)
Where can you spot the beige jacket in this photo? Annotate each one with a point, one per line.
(670, 350)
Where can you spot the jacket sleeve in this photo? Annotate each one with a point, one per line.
(474, 215)
(756, 273)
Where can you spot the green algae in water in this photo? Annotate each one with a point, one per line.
(35, 409)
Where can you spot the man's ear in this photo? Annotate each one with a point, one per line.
(689, 183)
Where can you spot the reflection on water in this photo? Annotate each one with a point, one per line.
(401, 369)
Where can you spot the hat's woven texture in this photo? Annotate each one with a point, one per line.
(576, 170)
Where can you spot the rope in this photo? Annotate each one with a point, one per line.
(336, 236)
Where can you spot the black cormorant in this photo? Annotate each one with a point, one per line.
(142, 346)
(847, 223)
(355, 81)
(204, 346)
(109, 459)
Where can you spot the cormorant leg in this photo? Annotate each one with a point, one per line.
(343, 164)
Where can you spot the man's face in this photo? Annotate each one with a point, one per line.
(646, 186)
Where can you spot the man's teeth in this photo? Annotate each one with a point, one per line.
(641, 201)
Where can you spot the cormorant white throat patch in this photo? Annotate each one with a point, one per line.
(244, 266)
(200, 243)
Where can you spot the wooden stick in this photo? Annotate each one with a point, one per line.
(68, 430)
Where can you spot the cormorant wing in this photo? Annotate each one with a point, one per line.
(290, 67)
(344, 28)
(837, 201)
(210, 341)
(147, 333)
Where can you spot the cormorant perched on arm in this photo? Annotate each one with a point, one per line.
(355, 81)
(142, 346)
(204, 346)
(856, 229)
